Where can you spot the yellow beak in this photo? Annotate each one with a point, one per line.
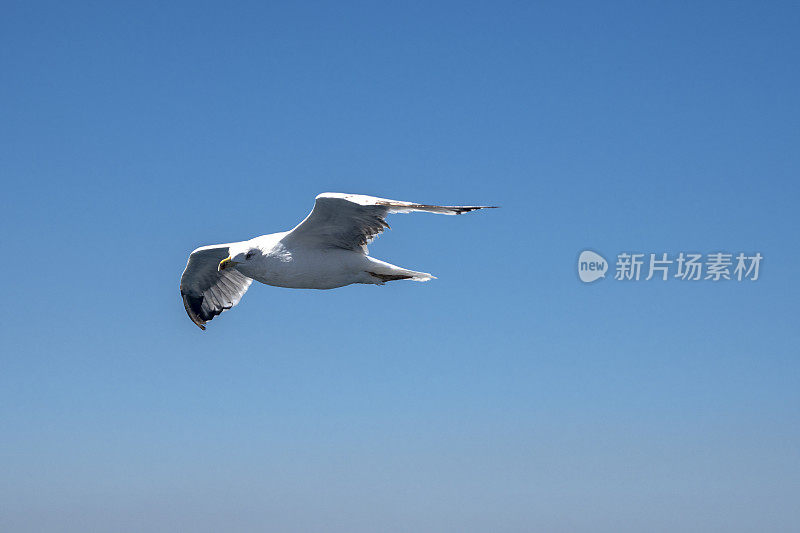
(225, 263)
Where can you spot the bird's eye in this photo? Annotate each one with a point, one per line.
(248, 255)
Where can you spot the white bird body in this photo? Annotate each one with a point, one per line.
(297, 267)
(328, 249)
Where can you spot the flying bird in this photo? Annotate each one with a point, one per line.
(328, 249)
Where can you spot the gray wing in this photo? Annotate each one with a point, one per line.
(352, 221)
(207, 292)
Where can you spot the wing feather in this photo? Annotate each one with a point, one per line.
(352, 221)
(206, 292)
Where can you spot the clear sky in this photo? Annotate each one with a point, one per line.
(505, 396)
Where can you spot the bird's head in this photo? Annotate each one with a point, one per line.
(239, 255)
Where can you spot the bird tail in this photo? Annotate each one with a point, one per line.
(384, 272)
(418, 276)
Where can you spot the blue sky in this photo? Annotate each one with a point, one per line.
(504, 396)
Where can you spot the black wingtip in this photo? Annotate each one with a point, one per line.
(469, 209)
(193, 306)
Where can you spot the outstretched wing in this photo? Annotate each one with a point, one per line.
(207, 292)
(351, 221)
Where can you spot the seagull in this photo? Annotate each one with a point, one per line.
(328, 249)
